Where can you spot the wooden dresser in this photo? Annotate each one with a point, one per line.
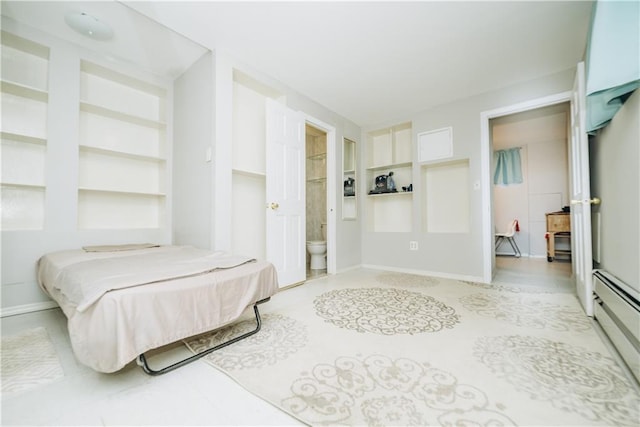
(558, 226)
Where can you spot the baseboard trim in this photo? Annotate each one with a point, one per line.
(351, 268)
(27, 308)
(426, 273)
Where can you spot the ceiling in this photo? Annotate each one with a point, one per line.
(371, 62)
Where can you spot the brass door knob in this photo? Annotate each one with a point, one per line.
(594, 201)
(274, 206)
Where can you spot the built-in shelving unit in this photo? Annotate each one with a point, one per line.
(349, 199)
(24, 90)
(445, 196)
(248, 178)
(390, 150)
(122, 165)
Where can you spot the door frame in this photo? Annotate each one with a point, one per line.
(331, 188)
(488, 248)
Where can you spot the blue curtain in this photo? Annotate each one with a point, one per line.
(613, 63)
(508, 167)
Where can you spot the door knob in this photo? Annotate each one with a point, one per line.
(274, 206)
(594, 201)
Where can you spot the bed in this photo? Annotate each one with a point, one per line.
(122, 301)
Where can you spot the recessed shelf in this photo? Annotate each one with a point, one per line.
(24, 45)
(390, 166)
(23, 132)
(17, 185)
(389, 151)
(124, 80)
(23, 138)
(110, 191)
(252, 174)
(122, 169)
(398, 193)
(24, 91)
(117, 115)
(122, 154)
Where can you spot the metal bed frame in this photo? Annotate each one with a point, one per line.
(142, 360)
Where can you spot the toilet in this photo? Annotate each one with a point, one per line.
(318, 250)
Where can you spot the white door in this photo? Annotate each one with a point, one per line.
(580, 190)
(285, 193)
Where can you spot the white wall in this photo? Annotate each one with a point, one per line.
(615, 179)
(221, 209)
(542, 134)
(193, 138)
(454, 254)
(22, 249)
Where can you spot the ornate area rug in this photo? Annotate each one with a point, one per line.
(29, 360)
(398, 349)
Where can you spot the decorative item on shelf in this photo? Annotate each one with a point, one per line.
(408, 188)
(384, 184)
(349, 187)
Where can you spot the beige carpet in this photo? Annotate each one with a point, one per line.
(29, 360)
(398, 349)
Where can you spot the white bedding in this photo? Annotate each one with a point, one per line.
(148, 312)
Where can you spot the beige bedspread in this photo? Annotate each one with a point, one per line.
(84, 277)
(124, 322)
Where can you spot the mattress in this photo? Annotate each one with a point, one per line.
(109, 331)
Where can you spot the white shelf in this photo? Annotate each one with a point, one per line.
(118, 115)
(24, 91)
(23, 132)
(251, 174)
(108, 210)
(122, 168)
(23, 138)
(114, 91)
(24, 111)
(24, 63)
(349, 162)
(116, 192)
(390, 166)
(397, 193)
(122, 154)
(19, 185)
(389, 150)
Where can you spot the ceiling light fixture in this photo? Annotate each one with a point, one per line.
(89, 26)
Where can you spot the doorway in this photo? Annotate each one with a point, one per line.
(487, 176)
(533, 144)
(316, 201)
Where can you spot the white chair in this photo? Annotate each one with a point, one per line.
(508, 236)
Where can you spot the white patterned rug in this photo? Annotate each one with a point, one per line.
(398, 349)
(29, 360)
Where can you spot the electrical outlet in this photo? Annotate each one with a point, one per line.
(413, 245)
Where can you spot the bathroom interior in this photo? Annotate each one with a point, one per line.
(316, 201)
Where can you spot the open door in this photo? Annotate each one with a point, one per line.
(285, 192)
(580, 189)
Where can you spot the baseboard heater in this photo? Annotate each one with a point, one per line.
(617, 310)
